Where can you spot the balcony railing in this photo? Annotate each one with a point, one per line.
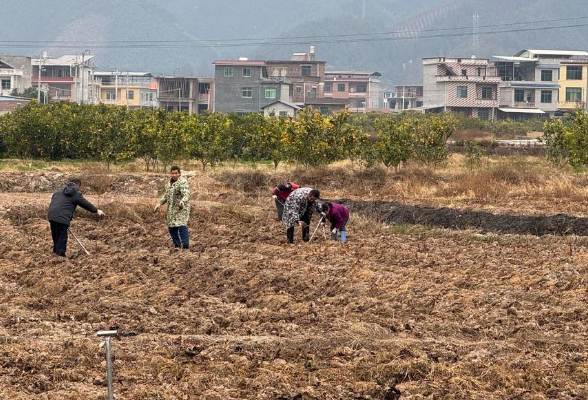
(524, 104)
(11, 72)
(571, 104)
(468, 78)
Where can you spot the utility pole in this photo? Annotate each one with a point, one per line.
(116, 87)
(180, 98)
(42, 59)
(127, 96)
(476, 32)
(83, 71)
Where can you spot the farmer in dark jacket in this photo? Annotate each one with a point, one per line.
(338, 215)
(281, 193)
(298, 211)
(61, 210)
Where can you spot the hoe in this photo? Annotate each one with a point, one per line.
(78, 240)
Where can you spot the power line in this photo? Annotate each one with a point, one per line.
(326, 41)
(220, 42)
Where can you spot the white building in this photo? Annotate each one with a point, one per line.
(67, 78)
(15, 73)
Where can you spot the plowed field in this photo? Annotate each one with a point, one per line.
(443, 296)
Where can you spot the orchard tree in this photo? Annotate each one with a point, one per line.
(431, 134)
(271, 140)
(394, 144)
(308, 139)
(145, 128)
(209, 139)
(172, 141)
(111, 141)
(346, 141)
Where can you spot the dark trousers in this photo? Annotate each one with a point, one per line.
(305, 230)
(59, 236)
(280, 207)
(179, 235)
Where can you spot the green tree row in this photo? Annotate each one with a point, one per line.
(566, 139)
(114, 134)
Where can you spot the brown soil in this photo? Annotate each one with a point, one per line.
(452, 313)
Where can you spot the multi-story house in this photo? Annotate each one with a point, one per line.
(15, 74)
(67, 78)
(529, 87)
(460, 85)
(306, 75)
(548, 81)
(405, 97)
(244, 86)
(131, 89)
(361, 89)
(573, 82)
(179, 93)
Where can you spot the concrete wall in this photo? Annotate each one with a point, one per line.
(433, 92)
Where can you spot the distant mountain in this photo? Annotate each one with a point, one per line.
(417, 29)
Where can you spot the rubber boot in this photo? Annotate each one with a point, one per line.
(334, 236)
(343, 236)
(306, 233)
(290, 235)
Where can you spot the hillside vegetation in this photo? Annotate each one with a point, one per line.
(185, 20)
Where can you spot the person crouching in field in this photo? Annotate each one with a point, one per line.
(61, 210)
(177, 197)
(281, 193)
(338, 215)
(298, 211)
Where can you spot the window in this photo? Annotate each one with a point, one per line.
(546, 75)
(305, 70)
(574, 94)
(480, 71)
(247, 92)
(312, 93)
(5, 83)
(360, 103)
(270, 93)
(283, 114)
(228, 71)
(464, 72)
(487, 92)
(246, 72)
(546, 96)
(574, 73)
(327, 87)
(361, 88)
(324, 110)
(110, 95)
(462, 92)
(341, 87)
(130, 95)
(484, 113)
(519, 96)
(298, 89)
(203, 87)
